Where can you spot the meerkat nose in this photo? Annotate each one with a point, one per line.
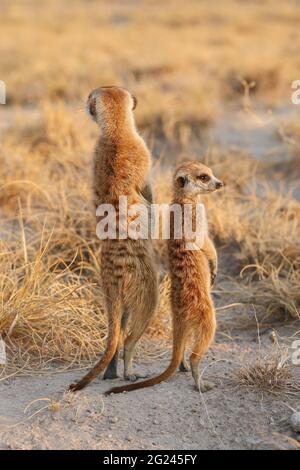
(219, 184)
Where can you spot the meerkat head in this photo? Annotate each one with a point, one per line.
(193, 178)
(108, 105)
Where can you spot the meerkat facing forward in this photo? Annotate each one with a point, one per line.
(121, 168)
(191, 279)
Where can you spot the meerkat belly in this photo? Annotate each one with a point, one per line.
(120, 257)
(189, 279)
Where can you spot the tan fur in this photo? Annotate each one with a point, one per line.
(192, 305)
(121, 167)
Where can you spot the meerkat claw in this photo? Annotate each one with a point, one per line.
(204, 386)
(135, 377)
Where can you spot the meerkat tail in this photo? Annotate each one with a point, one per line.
(112, 344)
(178, 352)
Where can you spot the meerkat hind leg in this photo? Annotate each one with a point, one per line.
(112, 369)
(184, 367)
(200, 347)
(201, 385)
(142, 309)
(129, 348)
(128, 357)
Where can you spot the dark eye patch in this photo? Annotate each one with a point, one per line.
(134, 102)
(203, 177)
(93, 108)
(181, 181)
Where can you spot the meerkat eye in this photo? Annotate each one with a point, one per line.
(93, 108)
(134, 102)
(205, 178)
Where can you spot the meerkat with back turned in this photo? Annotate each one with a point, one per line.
(192, 274)
(121, 168)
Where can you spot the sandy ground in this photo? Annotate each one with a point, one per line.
(171, 415)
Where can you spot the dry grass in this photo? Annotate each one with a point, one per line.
(270, 375)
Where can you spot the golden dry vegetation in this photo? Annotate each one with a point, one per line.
(185, 61)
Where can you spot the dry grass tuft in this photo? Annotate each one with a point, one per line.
(269, 375)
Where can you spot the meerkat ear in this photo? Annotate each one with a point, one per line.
(181, 180)
(134, 102)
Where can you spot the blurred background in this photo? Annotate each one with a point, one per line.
(186, 61)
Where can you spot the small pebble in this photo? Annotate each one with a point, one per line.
(295, 421)
(114, 419)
